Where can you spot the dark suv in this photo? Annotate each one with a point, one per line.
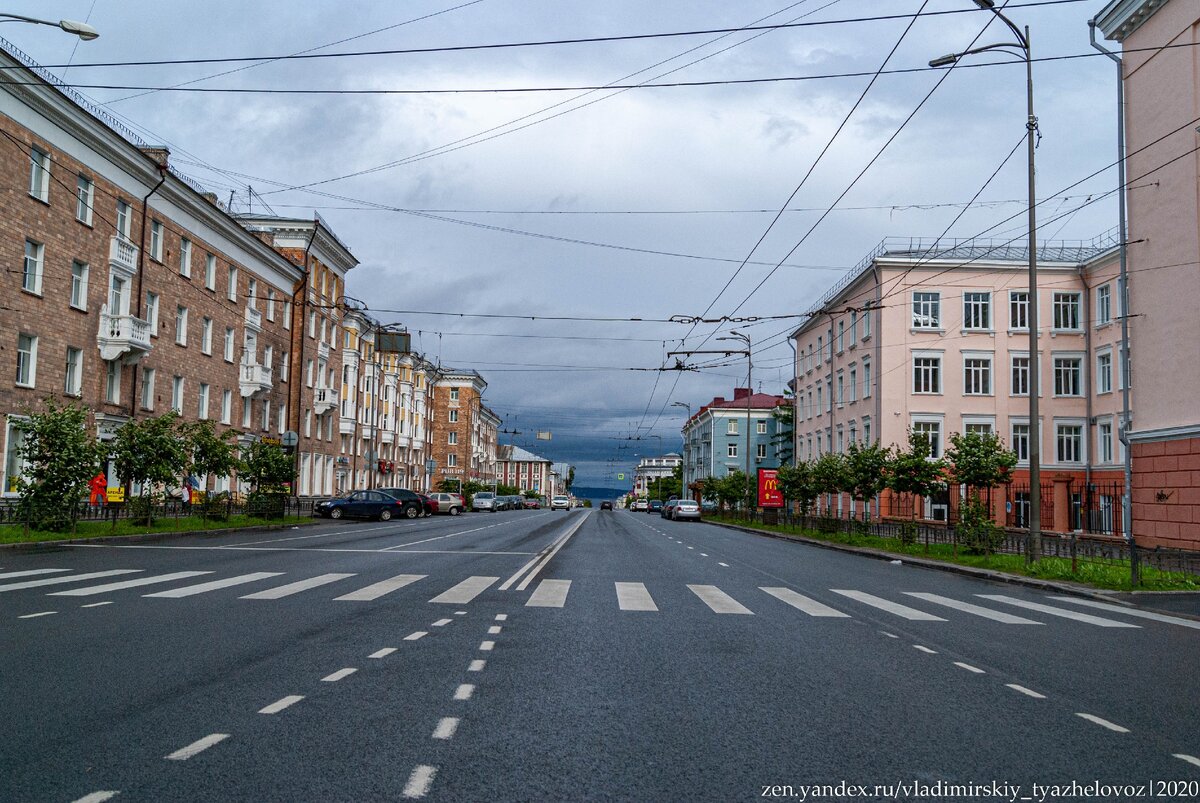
(414, 504)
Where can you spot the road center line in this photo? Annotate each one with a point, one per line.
(1104, 723)
(970, 668)
(477, 665)
(441, 622)
(385, 652)
(36, 615)
(200, 745)
(554, 551)
(464, 691)
(445, 728)
(487, 646)
(279, 705)
(924, 649)
(96, 604)
(338, 675)
(420, 781)
(501, 617)
(1025, 691)
(494, 630)
(414, 636)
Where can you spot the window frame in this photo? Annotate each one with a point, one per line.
(1079, 439)
(937, 447)
(181, 325)
(1104, 305)
(73, 373)
(80, 273)
(1078, 380)
(85, 194)
(33, 267)
(1018, 308)
(1066, 303)
(156, 240)
(984, 374)
(39, 174)
(926, 304)
(1104, 372)
(931, 374)
(974, 307)
(185, 257)
(148, 377)
(26, 378)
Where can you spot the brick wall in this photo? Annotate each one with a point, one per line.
(1166, 493)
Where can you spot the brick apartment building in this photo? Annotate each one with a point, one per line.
(464, 430)
(523, 469)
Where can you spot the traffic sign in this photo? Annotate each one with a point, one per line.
(290, 438)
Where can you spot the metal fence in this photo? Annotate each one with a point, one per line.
(215, 510)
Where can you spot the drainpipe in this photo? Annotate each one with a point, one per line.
(1123, 295)
(1087, 350)
(162, 177)
(795, 403)
(299, 329)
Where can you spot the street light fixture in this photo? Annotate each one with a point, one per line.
(1021, 48)
(81, 29)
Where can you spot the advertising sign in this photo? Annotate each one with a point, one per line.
(115, 494)
(769, 494)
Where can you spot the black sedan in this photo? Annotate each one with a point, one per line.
(415, 504)
(606, 505)
(366, 505)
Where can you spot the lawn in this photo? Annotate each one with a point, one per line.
(15, 533)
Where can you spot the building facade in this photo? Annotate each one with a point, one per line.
(464, 430)
(650, 469)
(715, 437)
(1159, 71)
(523, 469)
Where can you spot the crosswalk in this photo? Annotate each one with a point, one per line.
(625, 597)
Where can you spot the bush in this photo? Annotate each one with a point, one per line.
(828, 524)
(215, 507)
(142, 508)
(266, 504)
(976, 531)
(907, 533)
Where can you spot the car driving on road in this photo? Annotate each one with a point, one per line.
(560, 503)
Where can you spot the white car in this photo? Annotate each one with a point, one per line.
(560, 503)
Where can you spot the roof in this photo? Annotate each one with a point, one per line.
(516, 454)
(1120, 18)
(757, 401)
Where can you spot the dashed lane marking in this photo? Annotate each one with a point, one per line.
(198, 746)
(969, 668)
(1104, 723)
(279, 705)
(1025, 691)
(487, 646)
(464, 691)
(36, 615)
(924, 649)
(338, 675)
(477, 665)
(30, 573)
(384, 653)
(416, 635)
(445, 728)
(97, 797)
(420, 781)
(442, 622)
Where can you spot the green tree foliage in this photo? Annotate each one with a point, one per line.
(913, 472)
(735, 488)
(151, 455)
(60, 457)
(830, 474)
(507, 490)
(866, 472)
(980, 462)
(266, 468)
(210, 453)
(666, 487)
(796, 482)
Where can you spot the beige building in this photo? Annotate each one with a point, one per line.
(464, 430)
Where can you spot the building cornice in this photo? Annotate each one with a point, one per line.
(1165, 434)
(1120, 18)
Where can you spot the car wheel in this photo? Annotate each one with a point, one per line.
(411, 512)
(336, 513)
(385, 515)
(454, 511)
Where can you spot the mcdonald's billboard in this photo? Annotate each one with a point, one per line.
(769, 494)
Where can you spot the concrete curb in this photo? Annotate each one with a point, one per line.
(1111, 597)
(35, 546)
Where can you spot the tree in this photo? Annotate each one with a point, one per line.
(570, 477)
(796, 482)
(829, 474)
(785, 427)
(149, 454)
(866, 472)
(980, 462)
(266, 468)
(60, 456)
(666, 487)
(914, 472)
(735, 487)
(210, 453)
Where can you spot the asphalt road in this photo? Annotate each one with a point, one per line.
(590, 655)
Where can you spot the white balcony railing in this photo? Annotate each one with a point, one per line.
(253, 319)
(122, 255)
(122, 336)
(323, 351)
(254, 378)
(324, 400)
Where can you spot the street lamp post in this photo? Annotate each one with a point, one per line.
(688, 407)
(1022, 47)
(81, 29)
(745, 338)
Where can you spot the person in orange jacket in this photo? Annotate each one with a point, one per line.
(99, 489)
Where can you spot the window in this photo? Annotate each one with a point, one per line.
(853, 384)
(866, 325)
(112, 382)
(26, 360)
(266, 415)
(761, 427)
(829, 335)
(977, 310)
(151, 312)
(1018, 309)
(231, 287)
(867, 432)
(39, 174)
(841, 389)
(282, 418)
(452, 438)
(312, 323)
(829, 395)
(1068, 376)
(268, 358)
(1104, 372)
(451, 460)
(977, 376)
(1069, 441)
(927, 310)
(228, 344)
(866, 379)
(821, 347)
(79, 284)
(1104, 304)
(841, 341)
(932, 430)
(210, 271)
(454, 416)
(226, 405)
(853, 327)
(202, 405)
(308, 374)
(181, 325)
(248, 412)
(185, 258)
(252, 292)
(927, 374)
(285, 366)
(124, 219)
(1020, 441)
(731, 450)
(73, 383)
(762, 451)
(979, 427)
(148, 389)
(156, 241)
(1020, 374)
(1104, 441)
(731, 427)
(177, 394)
(84, 190)
(270, 305)
(820, 399)
(31, 272)
(1066, 311)
(14, 466)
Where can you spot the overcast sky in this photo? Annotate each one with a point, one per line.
(638, 203)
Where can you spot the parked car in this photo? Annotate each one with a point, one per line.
(415, 504)
(685, 509)
(484, 500)
(654, 506)
(606, 504)
(532, 503)
(516, 502)
(560, 503)
(668, 508)
(367, 505)
(451, 504)
(708, 506)
(641, 505)
(431, 505)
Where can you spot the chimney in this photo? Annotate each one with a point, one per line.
(718, 401)
(160, 154)
(740, 393)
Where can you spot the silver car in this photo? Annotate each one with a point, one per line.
(484, 500)
(685, 509)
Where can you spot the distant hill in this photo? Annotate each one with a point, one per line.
(584, 492)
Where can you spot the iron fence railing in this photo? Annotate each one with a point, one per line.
(215, 510)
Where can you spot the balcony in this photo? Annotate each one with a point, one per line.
(324, 400)
(253, 319)
(122, 336)
(323, 351)
(122, 256)
(387, 436)
(254, 378)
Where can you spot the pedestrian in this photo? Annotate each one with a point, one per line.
(98, 486)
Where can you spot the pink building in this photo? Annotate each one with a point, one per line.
(933, 338)
(522, 469)
(1161, 40)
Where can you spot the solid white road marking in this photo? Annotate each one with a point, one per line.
(377, 590)
(889, 635)
(477, 665)
(36, 615)
(188, 591)
(445, 728)
(986, 613)
(1104, 606)
(549, 594)
(31, 572)
(969, 668)
(460, 613)
(494, 630)
(465, 591)
(464, 691)
(634, 597)
(1104, 723)
(96, 604)
(441, 622)
(141, 581)
(97, 797)
(1078, 617)
(416, 635)
(1025, 691)
(524, 584)
(184, 753)
(487, 646)
(279, 705)
(904, 611)
(924, 649)
(384, 653)
(726, 565)
(338, 675)
(1187, 758)
(420, 781)
(803, 603)
(718, 600)
(297, 587)
(501, 617)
